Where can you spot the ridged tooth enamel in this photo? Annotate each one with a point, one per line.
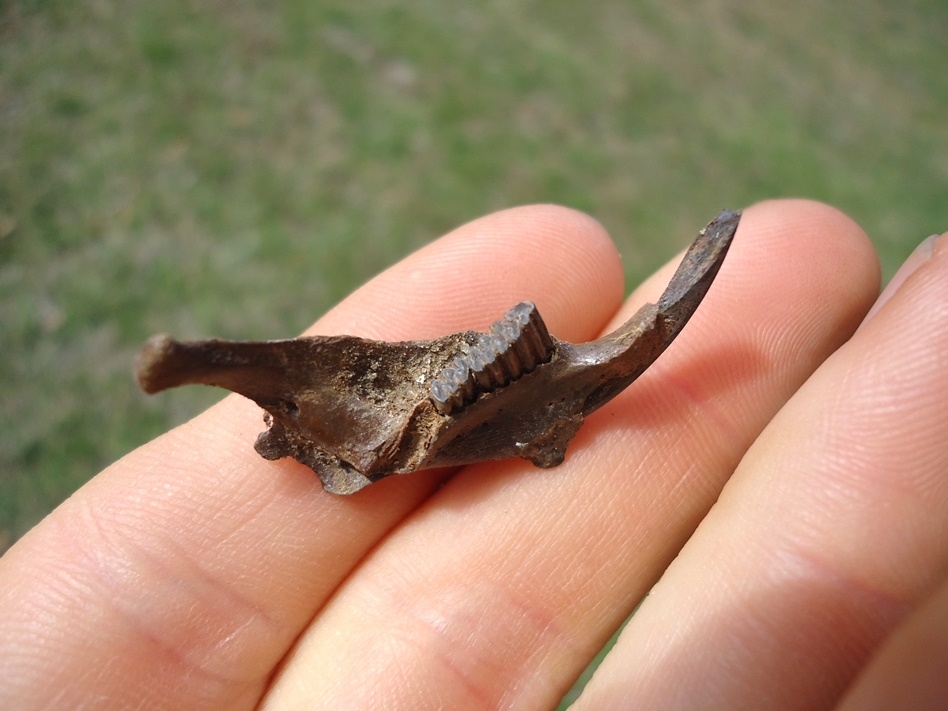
(538, 337)
(440, 393)
(519, 317)
(513, 347)
(497, 367)
(454, 376)
(508, 333)
(512, 361)
(479, 360)
(508, 330)
(466, 383)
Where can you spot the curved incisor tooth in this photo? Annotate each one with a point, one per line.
(515, 345)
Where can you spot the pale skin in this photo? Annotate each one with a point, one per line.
(778, 480)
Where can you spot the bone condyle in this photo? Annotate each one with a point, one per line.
(356, 410)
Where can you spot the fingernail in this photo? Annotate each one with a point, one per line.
(917, 258)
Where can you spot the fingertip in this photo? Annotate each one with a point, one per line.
(802, 250)
(919, 256)
(808, 252)
(561, 259)
(810, 231)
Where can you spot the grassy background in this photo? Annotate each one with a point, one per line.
(234, 168)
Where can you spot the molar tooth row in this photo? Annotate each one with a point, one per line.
(525, 331)
(515, 346)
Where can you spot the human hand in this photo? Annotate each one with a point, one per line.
(192, 573)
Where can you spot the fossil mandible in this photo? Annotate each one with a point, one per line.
(356, 410)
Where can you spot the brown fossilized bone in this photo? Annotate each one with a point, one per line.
(356, 410)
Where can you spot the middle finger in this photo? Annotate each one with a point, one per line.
(501, 588)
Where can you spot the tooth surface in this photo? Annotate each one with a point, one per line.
(508, 330)
(466, 382)
(442, 396)
(514, 346)
(479, 360)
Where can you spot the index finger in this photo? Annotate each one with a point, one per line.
(181, 575)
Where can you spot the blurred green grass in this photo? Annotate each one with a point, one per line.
(233, 169)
